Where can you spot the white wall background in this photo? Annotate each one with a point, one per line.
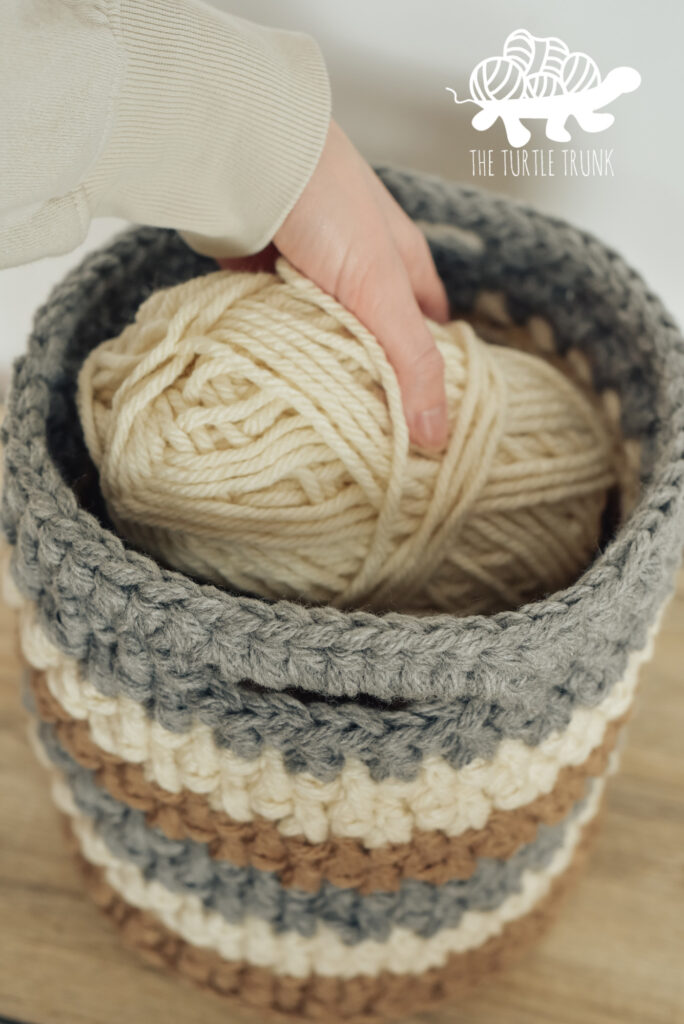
(389, 63)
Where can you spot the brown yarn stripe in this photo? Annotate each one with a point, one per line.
(430, 856)
(256, 991)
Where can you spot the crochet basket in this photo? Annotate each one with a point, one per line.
(320, 813)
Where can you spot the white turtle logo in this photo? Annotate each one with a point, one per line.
(540, 78)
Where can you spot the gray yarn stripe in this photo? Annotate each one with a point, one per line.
(185, 866)
(441, 685)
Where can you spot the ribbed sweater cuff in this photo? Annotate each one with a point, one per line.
(219, 125)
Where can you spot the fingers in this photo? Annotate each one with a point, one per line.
(415, 252)
(427, 285)
(375, 286)
(348, 234)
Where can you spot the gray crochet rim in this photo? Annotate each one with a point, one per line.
(186, 649)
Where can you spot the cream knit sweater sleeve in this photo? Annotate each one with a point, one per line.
(163, 112)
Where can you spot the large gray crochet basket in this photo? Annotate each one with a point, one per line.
(319, 813)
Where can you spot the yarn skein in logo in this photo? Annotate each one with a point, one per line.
(540, 78)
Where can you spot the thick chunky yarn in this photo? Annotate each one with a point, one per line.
(249, 430)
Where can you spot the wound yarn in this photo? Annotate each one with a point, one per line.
(248, 430)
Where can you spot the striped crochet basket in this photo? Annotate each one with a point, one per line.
(319, 813)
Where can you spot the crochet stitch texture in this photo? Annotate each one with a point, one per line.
(326, 813)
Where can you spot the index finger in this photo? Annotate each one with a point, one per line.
(378, 290)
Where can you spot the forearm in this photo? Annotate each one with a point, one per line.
(169, 113)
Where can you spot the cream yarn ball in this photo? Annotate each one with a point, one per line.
(248, 430)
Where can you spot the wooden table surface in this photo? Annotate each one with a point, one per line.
(615, 954)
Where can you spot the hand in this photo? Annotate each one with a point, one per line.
(350, 236)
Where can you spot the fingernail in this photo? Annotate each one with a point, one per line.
(431, 427)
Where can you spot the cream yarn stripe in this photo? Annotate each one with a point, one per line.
(352, 805)
(255, 942)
